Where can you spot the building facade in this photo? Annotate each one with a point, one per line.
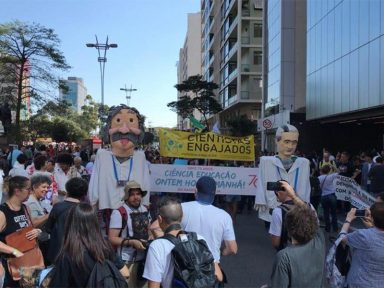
(75, 94)
(284, 69)
(232, 56)
(189, 63)
(345, 73)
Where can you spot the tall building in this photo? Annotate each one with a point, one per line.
(75, 94)
(284, 67)
(232, 56)
(189, 63)
(345, 74)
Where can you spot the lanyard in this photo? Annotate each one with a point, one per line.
(296, 177)
(115, 170)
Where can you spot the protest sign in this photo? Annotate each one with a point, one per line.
(348, 190)
(205, 146)
(182, 179)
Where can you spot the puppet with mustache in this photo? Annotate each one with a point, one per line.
(114, 167)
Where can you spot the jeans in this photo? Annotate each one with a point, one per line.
(329, 203)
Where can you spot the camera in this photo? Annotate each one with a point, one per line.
(360, 213)
(274, 186)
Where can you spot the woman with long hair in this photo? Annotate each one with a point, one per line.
(83, 247)
(13, 217)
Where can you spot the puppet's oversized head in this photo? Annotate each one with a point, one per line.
(124, 130)
(287, 138)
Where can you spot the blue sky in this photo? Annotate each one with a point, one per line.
(149, 34)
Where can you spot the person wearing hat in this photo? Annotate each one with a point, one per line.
(212, 223)
(129, 231)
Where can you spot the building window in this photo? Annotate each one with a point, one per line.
(257, 58)
(258, 30)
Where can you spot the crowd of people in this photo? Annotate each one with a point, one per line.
(46, 190)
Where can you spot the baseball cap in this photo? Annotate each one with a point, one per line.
(132, 185)
(206, 190)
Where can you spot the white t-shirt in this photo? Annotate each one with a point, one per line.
(158, 265)
(214, 224)
(277, 219)
(18, 170)
(127, 252)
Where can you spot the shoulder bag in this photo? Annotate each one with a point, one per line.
(32, 254)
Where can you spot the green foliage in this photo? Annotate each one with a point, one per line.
(64, 130)
(29, 56)
(242, 126)
(88, 119)
(38, 126)
(60, 108)
(49, 121)
(202, 99)
(182, 107)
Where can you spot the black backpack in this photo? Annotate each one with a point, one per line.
(193, 262)
(285, 207)
(106, 275)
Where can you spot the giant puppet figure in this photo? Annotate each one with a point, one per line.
(284, 166)
(113, 168)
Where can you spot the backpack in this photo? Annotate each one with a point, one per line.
(192, 260)
(106, 214)
(106, 275)
(285, 207)
(315, 186)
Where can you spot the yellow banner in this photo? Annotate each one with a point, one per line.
(205, 146)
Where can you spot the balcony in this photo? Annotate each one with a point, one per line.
(232, 76)
(229, 101)
(229, 30)
(245, 13)
(246, 40)
(245, 68)
(226, 9)
(230, 54)
(211, 59)
(244, 95)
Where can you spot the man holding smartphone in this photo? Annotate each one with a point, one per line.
(288, 199)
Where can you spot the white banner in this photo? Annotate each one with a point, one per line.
(183, 178)
(348, 190)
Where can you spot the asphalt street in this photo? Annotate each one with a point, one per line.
(252, 265)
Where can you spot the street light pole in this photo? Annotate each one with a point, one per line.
(102, 51)
(128, 97)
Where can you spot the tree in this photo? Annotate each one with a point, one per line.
(37, 126)
(30, 55)
(66, 130)
(202, 98)
(60, 108)
(89, 119)
(242, 126)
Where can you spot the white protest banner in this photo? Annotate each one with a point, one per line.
(348, 190)
(183, 178)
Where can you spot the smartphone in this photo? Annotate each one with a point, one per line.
(274, 186)
(360, 213)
